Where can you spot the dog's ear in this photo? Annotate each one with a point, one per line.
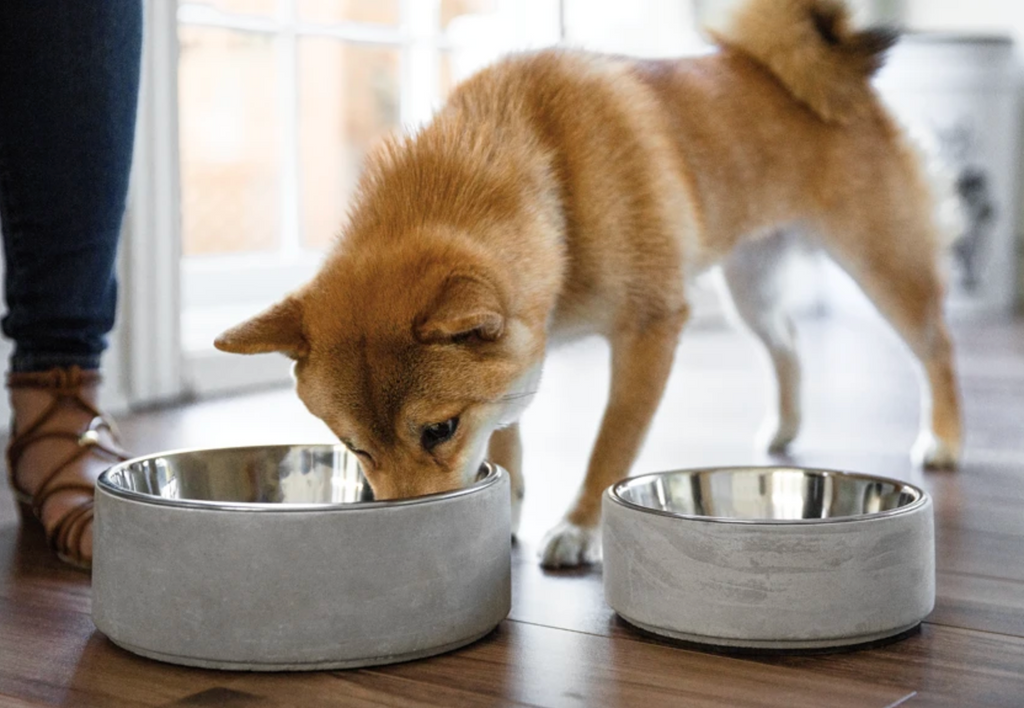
(466, 308)
(277, 329)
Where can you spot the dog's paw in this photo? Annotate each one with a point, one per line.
(775, 435)
(933, 453)
(569, 546)
(779, 443)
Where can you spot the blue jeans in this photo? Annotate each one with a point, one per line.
(69, 79)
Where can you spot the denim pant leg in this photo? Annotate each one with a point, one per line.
(69, 79)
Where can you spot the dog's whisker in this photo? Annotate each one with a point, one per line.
(516, 396)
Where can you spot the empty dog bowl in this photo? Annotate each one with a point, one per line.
(769, 557)
(276, 558)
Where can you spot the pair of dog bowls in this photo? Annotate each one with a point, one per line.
(277, 558)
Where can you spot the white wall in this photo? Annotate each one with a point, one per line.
(999, 16)
(1003, 17)
(645, 28)
(515, 25)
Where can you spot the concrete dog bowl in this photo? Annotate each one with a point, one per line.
(276, 558)
(769, 557)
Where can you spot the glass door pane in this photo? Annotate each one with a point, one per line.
(229, 134)
(337, 11)
(452, 9)
(348, 99)
(243, 7)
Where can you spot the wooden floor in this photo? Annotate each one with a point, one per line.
(561, 645)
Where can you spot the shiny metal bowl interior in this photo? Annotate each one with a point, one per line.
(771, 495)
(277, 478)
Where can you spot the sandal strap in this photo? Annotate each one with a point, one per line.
(51, 486)
(88, 442)
(66, 387)
(59, 378)
(67, 536)
(65, 384)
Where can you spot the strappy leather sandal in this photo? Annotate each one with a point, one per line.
(98, 438)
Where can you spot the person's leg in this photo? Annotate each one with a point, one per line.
(69, 74)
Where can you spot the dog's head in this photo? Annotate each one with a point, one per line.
(412, 355)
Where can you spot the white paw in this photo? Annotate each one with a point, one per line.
(934, 453)
(569, 546)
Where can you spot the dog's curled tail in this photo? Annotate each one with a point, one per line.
(812, 48)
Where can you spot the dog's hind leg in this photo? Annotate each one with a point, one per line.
(642, 357)
(893, 257)
(506, 449)
(750, 274)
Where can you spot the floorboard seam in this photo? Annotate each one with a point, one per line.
(963, 574)
(902, 700)
(379, 672)
(972, 630)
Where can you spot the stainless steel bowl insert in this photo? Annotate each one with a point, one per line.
(769, 557)
(278, 558)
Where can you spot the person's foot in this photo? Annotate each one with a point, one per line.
(60, 444)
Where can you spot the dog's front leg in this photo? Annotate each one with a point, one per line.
(505, 449)
(641, 363)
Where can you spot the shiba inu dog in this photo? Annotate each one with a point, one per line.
(562, 194)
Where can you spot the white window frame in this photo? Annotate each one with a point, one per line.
(149, 331)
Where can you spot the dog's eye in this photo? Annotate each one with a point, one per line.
(352, 448)
(434, 435)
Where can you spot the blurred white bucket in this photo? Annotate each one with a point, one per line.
(960, 95)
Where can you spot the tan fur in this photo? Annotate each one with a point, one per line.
(811, 46)
(561, 194)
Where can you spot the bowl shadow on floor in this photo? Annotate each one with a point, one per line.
(759, 653)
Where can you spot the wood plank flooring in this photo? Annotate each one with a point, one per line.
(561, 645)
